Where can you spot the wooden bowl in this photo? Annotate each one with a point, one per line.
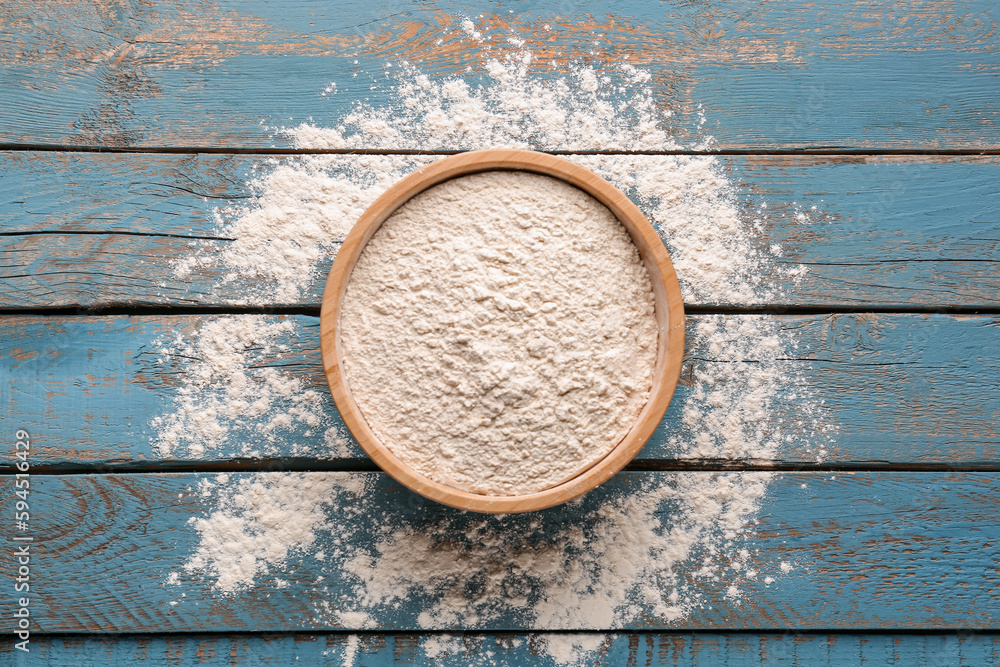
(668, 305)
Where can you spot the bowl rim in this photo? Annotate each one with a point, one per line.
(668, 305)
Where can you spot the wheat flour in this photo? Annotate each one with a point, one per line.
(233, 390)
(658, 552)
(499, 332)
(300, 211)
(262, 519)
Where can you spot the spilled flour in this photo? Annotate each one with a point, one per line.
(499, 332)
(261, 520)
(656, 547)
(231, 393)
(301, 212)
(517, 105)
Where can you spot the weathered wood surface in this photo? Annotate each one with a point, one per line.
(472, 649)
(895, 389)
(872, 551)
(869, 550)
(893, 74)
(89, 229)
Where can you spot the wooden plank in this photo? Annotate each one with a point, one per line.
(893, 389)
(88, 229)
(102, 230)
(886, 74)
(867, 551)
(469, 649)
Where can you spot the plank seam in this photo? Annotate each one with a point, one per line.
(960, 631)
(153, 310)
(213, 150)
(367, 466)
(77, 232)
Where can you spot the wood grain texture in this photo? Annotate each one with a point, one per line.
(89, 230)
(896, 389)
(892, 74)
(875, 552)
(868, 550)
(478, 649)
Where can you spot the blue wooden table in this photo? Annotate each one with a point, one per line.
(125, 125)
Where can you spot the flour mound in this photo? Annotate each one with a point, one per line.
(499, 332)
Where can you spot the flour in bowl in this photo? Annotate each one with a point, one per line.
(499, 332)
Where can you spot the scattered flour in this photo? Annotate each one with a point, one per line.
(303, 207)
(728, 412)
(499, 332)
(638, 547)
(573, 649)
(229, 386)
(626, 554)
(695, 207)
(351, 650)
(301, 211)
(656, 548)
(513, 106)
(259, 520)
(439, 647)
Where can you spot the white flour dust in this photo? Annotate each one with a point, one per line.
(513, 106)
(713, 245)
(300, 213)
(234, 397)
(619, 560)
(656, 546)
(258, 521)
(499, 332)
(573, 650)
(636, 546)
